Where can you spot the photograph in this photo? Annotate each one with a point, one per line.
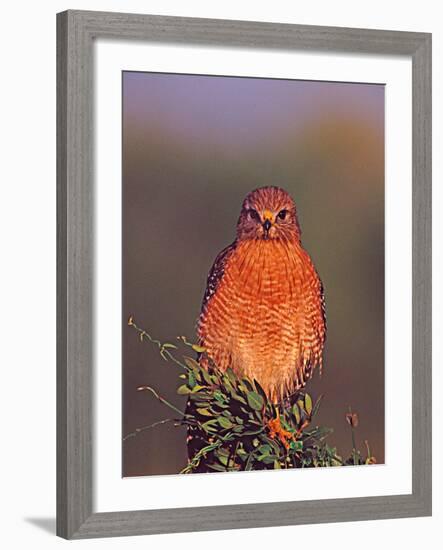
(253, 274)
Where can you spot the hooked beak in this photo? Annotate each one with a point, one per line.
(267, 226)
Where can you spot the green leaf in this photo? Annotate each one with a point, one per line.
(296, 413)
(204, 412)
(296, 446)
(198, 349)
(197, 395)
(261, 391)
(204, 405)
(231, 376)
(253, 432)
(264, 449)
(222, 457)
(183, 390)
(224, 422)
(255, 401)
(308, 403)
(207, 377)
(237, 397)
(192, 381)
(243, 456)
(270, 443)
(219, 396)
(317, 405)
(246, 385)
(209, 426)
(191, 363)
(197, 388)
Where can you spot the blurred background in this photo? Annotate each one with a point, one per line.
(193, 147)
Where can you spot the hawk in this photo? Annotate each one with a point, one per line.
(263, 311)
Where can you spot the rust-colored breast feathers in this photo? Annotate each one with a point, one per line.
(263, 314)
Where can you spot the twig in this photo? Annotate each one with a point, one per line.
(163, 347)
(160, 398)
(352, 420)
(143, 428)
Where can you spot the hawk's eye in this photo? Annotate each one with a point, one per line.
(282, 214)
(253, 214)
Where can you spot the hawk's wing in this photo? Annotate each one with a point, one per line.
(214, 277)
(216, 273)
(314, 333)
(323, 305)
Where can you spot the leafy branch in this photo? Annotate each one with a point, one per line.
(232, 426)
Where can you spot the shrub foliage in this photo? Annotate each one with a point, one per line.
(232, 426)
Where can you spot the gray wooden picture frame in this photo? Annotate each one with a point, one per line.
(76, 32)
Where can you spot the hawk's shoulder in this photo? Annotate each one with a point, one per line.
(216, 273)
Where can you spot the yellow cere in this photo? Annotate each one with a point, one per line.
(268, 215)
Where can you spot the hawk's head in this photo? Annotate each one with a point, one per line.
(268, 213)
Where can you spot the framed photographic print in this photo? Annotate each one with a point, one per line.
(244, 274)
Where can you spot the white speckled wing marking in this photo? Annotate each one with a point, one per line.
(216, 273)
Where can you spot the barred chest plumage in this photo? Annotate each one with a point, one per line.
(265, 318)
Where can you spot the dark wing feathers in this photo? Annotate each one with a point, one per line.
(216, 273)
(323, 305)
